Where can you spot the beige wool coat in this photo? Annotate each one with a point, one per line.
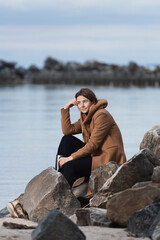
(100, 133)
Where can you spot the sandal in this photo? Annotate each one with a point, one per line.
(12, 210)
(16, 210)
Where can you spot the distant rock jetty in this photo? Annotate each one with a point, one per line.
(88, 73)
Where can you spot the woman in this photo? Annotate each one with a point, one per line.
(102, 138)
(102, 142)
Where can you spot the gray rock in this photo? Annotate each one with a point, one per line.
(56, 226)
(100, 175)
(50, 63)
(20, 199)
(141, 184)
(4, 212)
(80, 193)
(156, 232)
(156, 175)
(33, 68)
(143, 222)
(151, 157)
(47, 191)
(13, 225)
(151, 140)
(81, 190)
(4, 64)
(53, 64)
(132, 66)
(92, 217)
(154, 227)
(20, 72)
(73, 218)
(137, 169)
(72, 66)
(122, 205)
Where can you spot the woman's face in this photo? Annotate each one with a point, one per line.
(83, 104)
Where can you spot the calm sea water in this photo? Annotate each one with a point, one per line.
(30, 128)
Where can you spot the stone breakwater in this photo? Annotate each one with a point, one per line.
(124, 204)
(90, 72)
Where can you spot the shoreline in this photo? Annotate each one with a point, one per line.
(91, 232)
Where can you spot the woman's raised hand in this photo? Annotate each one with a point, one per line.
(71, 103)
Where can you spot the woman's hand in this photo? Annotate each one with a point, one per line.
(64, 160)
(71, 103)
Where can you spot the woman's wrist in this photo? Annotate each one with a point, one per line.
(66, 106)
(70, 104)
(70, 158)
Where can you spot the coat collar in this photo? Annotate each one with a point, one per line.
(102, 103)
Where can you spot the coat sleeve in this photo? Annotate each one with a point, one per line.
(67, 127)
(102, 126)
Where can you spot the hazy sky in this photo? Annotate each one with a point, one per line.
(111, 31)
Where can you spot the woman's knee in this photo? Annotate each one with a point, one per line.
(65, 146)
(68, 145)
(67, 138)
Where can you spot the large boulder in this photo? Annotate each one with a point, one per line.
(92, 217)
(143, 222)
(156, 231)
(151, 140)
(151, 157)
(47, 191)
(122, 205)
(56, 226)
(137, 169)
(100, 175)
(156, 175)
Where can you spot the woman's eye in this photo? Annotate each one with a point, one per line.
(82, 102)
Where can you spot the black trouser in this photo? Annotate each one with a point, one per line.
(76, 168)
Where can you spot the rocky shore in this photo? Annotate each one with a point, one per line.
(124, 204)
(88, 73)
